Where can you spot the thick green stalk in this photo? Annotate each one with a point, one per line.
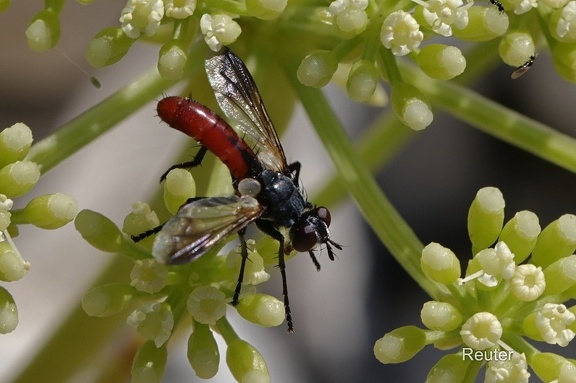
(388, 225)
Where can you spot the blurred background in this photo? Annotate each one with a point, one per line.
(338, 313)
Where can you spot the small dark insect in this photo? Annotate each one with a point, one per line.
(498, 5)
(267, 187)
(523, 68)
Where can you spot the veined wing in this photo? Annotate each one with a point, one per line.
(201, 224)
(240, 100)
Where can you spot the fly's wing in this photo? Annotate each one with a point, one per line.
(240, 100)
(201, 224)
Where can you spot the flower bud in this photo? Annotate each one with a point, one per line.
(12, 266)
(266, 9)
(18, 178)
(141, 218)
(317, 69)
(556, 241)
(172, 60)
(15, 143)
(441, 62)
(449, 369)
(562, 22)
(352, 22)
(43, 32)
(400, 345)
(516, 48)
(485, 23)
(4, 4)
(440, 264)
(362, 81)
(564, 60)
(520, 234)
(108, 47)
(51, 211)
(551, 367)
(8, 312)
(218, 30)
(261, 309)
(245, 363)
(99, 231)
(560, 275)
(485, 218)
(411, 106)
(178, 188)
(203, 352)
(106, 300)
(149, 363)
(440, 316)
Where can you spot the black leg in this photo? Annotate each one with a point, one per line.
(189, 164)
(244, 254)
(314, 260)
(146, 234)
(294, 168)
(271, 231)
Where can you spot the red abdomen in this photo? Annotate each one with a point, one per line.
(205, 126)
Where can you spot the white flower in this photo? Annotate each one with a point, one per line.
(207, 304)
(154, 321)
(528, 282)
(141, 16)
(255, 272)
(553, 322)
(219, 30)
(350, 15)
(5, 202)
(401, 33)
(442, 14)
(495, 264)
(514, 370)
(523, 6)
(179, 9)
(481, 331)
(566, 26)
(148, 276)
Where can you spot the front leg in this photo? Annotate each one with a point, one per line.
(274, 233)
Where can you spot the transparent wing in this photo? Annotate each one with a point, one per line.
(201, 224)
(240, 100)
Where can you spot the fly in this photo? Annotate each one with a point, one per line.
(267, 187)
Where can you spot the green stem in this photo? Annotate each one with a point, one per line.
(497, 120)
(377, 210)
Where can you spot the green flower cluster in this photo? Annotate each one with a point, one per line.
(362, 38)
(516, 289)
(17, 177)
(160, 297)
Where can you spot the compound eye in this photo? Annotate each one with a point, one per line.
(304, 237)
(324, 215)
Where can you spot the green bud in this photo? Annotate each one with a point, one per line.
(441, 62)
(99, 231)
(108, 47)
(485, 218)
(261, 309)
(400, 344)
(203, 353)
(564, 60)
(557, 240)
(8, 312)
(411, 106)
(178, 188)
(15, 143)
(172, 60)
(12, 266)
(106, 300)
(266, 9)
(560, 275)
(317, 69)
(4, 4)
(548, 367)
(352, 22)
(440, 316)
(516, 48)
(520, 234)
(362, 81)
(440, 264)
(51, 211)
(451, 368)
(149, 363)
(561, 22)
(43, 32)
(141, 218)
(245, 363)
(485, 23)
(18, 178)
(4, 219)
